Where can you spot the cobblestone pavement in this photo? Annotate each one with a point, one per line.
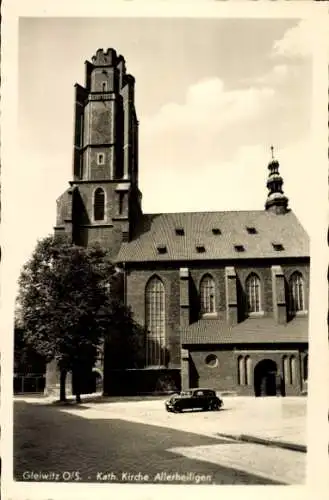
(276, 419)
(287, 467)
(48, 440)
(116, 437)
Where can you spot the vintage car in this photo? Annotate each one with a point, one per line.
(202, 399)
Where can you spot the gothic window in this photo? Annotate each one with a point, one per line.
(207, 295)
(99, 204)
(155, 322)
(244, 370)
(305, 368)
(253, 293)
(286, 370)
(248, 370)
(241, 371)
(121, 199)
(296, 291)
(289, 370)
(292, 366)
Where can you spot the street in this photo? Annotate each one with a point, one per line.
(102, 443)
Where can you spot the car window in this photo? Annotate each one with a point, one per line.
(199, 393)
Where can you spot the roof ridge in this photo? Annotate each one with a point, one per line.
(217, 212)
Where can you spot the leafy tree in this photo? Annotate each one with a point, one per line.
(66, 305)
(124, 344)
(26, 359)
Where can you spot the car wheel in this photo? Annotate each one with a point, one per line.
(178, 409)
(215, 406)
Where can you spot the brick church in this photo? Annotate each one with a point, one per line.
(223, 295)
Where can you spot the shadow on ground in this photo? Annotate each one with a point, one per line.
(51, 442)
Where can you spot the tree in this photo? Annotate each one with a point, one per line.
(124, 343)
(66, 305)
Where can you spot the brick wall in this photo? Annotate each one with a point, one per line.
(135, 296)
(137, 280)
(224, 376)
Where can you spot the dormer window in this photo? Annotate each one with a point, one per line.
(162, 249)
(216, 231)
(251, 230)
(200, 248)
(278, 247)
(239, 248)
(179, 231)
(100, 158)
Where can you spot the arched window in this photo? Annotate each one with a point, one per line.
(207, 295)
(293, 375)
(248, 370)
(99, 204)
(155, 322)
(296, 291)
(253, 293)
(305, 368)
(241, 371)
(286, 370)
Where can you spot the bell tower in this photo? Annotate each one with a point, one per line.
(104, 201)
(276, 201)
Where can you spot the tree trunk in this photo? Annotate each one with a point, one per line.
(77, 383)
(62, 386)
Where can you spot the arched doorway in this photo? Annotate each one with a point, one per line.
(265, 378)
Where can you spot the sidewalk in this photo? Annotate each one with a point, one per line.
(271, 422)
(279, 422)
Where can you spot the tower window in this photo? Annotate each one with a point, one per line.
(200, 248)
(104, 86)
(239, 248)
(100, 158)
(251, 230)
(99, 204)
(179, 231)
(216, 231)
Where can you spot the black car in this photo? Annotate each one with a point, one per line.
(203, 399)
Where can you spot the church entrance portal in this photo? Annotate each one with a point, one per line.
(265, 377)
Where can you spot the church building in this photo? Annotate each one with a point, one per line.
(223, 295)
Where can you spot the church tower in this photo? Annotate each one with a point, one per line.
(276, 201)
(103, 203)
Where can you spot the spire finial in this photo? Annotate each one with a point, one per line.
(272, 152)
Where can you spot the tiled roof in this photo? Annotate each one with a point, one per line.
(250, 331)
(158, 231)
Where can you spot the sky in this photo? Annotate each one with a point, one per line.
(212, 96)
